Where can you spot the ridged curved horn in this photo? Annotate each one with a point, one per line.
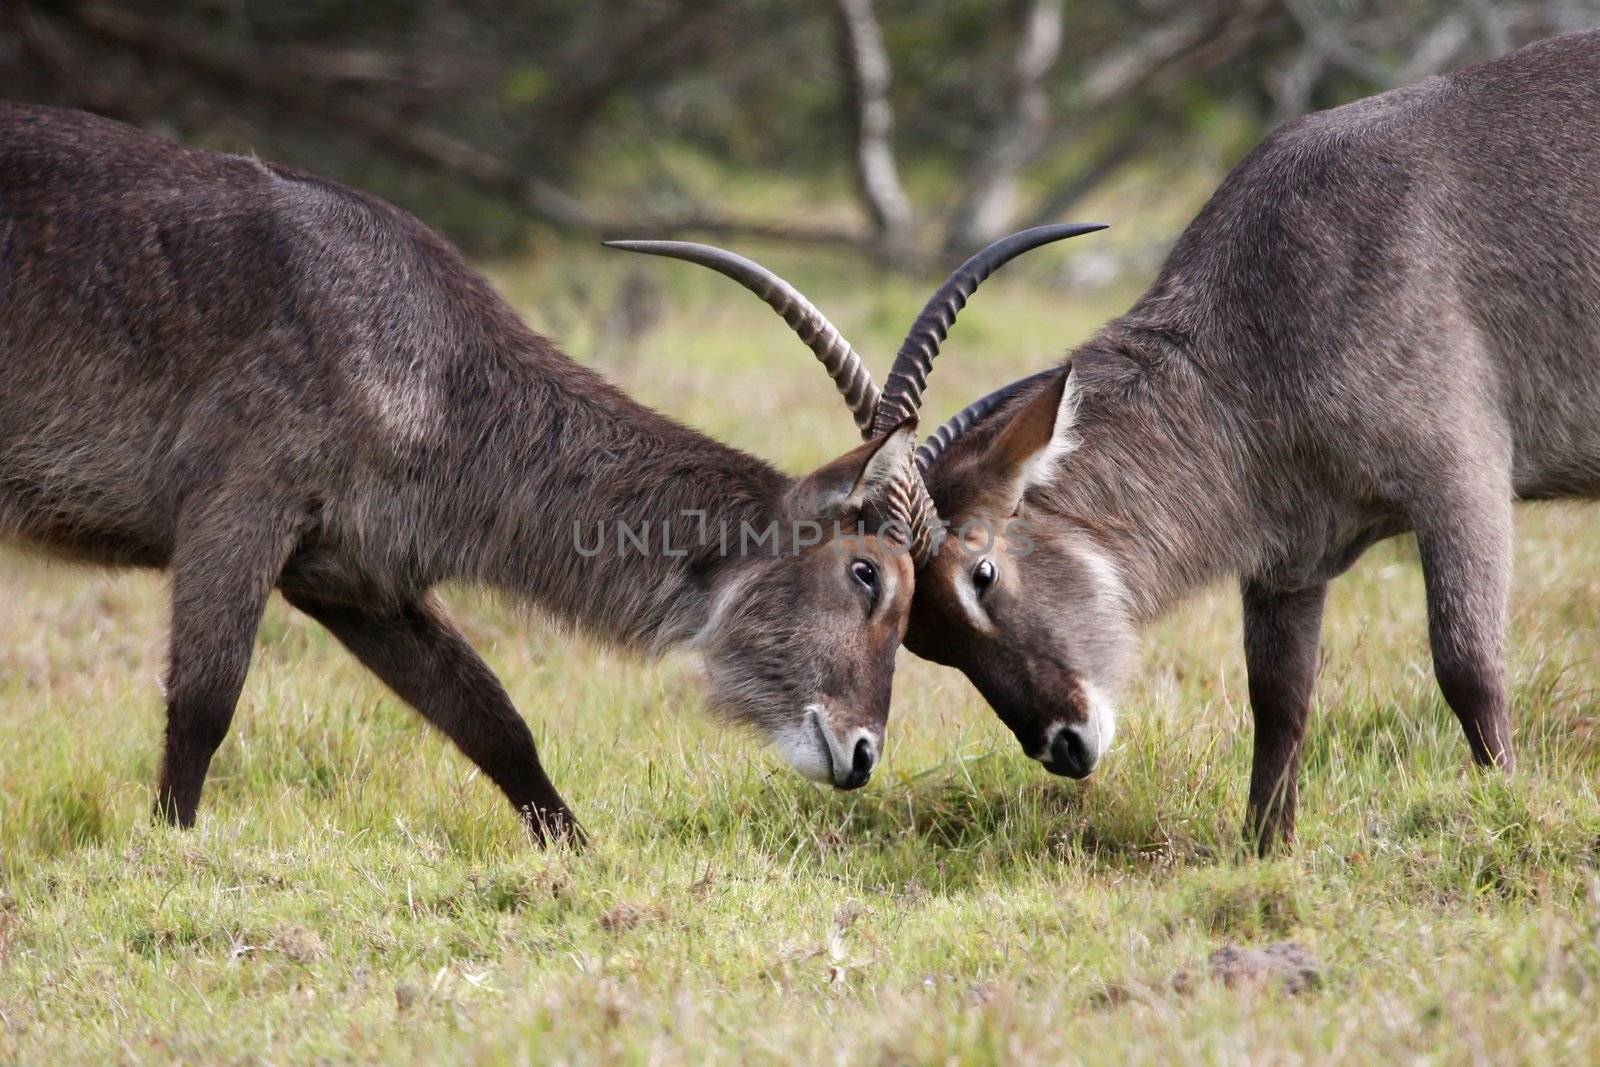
(927, 531)
(968, 417)
(902, 389)
(907, 502)
(843, 365)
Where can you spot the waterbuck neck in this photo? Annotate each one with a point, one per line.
(1157, 479)
(595, 507)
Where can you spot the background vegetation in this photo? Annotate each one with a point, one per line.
(355, 892)
(902, 127)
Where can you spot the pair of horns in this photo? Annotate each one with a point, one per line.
(878, 412)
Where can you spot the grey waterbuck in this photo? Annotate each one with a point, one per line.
(260, 379)
(1386, 319)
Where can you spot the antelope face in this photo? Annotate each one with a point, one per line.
(1042, 635)
(1024, 603)
(802, 645)
(805, 647)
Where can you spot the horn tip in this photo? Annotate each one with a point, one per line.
(1073, 229)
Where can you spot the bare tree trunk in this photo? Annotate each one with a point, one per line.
(1123, 148)
(867, 75)
(1291, 84)
(1181, 48)
(990, 202)
(1492, 25)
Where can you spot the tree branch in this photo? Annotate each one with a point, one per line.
(1130, 68)
(617, 47)
(1130, 143)
(1181, 48)
(1327, 38)
(419, 145)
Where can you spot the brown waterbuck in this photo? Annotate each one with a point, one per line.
(260, 379)
(1386, 319)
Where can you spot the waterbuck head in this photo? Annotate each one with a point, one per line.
(955, 622)
(803, 629)
(1020, 600)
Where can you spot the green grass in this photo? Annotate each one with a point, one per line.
(355, 892)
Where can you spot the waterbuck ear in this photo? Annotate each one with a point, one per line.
(1026, 452)
(840, 489)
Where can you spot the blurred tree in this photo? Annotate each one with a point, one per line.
(599, 116)
(865, 62)
(1016, 136)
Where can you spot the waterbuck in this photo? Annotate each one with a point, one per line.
(1386, 319)
(261, 379)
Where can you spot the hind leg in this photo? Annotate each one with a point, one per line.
(1465, 543)
(420, 654)
(230, 550)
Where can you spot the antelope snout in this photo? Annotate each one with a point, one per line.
(863, 757)
(1071, 752)
(1074, 749)
(849, 758)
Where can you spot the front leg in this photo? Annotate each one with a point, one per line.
(1281, 631)
(419, 653)
(231, 547)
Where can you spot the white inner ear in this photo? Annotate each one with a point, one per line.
(887, 463)
(1041, 466)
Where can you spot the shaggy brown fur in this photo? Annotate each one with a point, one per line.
(262, 379)
(1386, 319)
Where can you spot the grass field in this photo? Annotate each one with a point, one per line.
(355, 892)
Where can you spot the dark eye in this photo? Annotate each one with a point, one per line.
(866, 575)
(982, 576)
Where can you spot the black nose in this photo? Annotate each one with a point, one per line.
(1070, 754)
(861, 763)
